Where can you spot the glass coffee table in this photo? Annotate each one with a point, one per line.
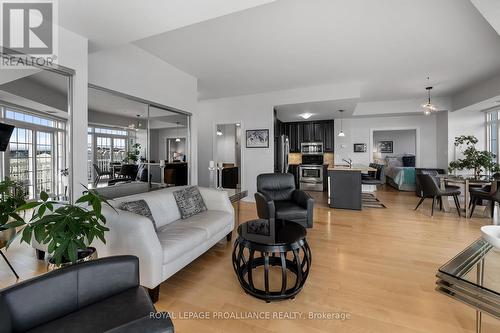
(473, 277)
(271, 258)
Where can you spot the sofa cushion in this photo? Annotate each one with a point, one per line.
(179, 237)
(114, 311)
(139, 207)
(161, 203)
(189, 201)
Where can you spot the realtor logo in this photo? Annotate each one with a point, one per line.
(29, 31)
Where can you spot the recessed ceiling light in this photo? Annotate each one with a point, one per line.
(306, 115)
(238, 125)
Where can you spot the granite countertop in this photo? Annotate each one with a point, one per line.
(355, 167)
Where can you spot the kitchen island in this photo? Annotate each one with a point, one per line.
(344, 186)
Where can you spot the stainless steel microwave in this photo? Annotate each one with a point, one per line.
(311, 148)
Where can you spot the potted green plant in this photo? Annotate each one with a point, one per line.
(477, 160)
(12, 196)
(132, 156)
(66, 228)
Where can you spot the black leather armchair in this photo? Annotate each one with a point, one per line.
(96, 296)
(277, 197)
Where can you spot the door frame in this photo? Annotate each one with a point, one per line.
(397, 128)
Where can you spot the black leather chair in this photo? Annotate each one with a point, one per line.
(430, 189)
(102, 295)
(277, 197)
(434, 173)
(477, 195)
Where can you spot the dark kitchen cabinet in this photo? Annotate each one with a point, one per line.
(329, 137)
(318, 131)
(307, 131)
(292, 131)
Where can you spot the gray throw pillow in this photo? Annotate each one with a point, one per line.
(189, 201)
(139, 207)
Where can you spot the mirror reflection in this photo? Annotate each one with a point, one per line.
(131, 141)
(227, 151)
(35, 101)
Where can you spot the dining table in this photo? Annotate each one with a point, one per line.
(466, 181)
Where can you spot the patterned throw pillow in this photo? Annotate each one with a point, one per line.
(189, 201)
(139, 207)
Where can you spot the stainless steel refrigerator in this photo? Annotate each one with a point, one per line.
(283, 151)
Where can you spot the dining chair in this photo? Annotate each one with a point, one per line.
(99, 173)
(479, 194)
(430, 189)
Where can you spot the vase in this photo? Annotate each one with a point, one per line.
(6, 236)
(83, 255)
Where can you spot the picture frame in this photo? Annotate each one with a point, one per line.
(386, 147)
(360, 147)
(257, 138)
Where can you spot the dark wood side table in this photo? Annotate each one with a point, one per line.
(269, 243)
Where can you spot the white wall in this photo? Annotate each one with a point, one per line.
(170, 133)
(393, 107)
(359, 130)
(442, 139)
(404, 141)
(130, 70)
(226, 144)
(73, 54)
(466, 123)
(254, 112)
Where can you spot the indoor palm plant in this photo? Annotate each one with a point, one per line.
(477, 160)
(66, 228)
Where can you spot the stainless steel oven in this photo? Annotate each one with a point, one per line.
(311, 148)
(311, 177)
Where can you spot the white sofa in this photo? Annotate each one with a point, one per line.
(176, 242)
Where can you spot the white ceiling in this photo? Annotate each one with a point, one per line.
(387, 46)
(320, 110)
(110, 22)
(108, 103)
(490, 9)
(105, 102)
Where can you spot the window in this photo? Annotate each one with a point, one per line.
(492, 133)
(44, 162)
(36, 153)
(20, 158)
(106, 146)
(27, 118)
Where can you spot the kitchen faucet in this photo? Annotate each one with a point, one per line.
(349, 162)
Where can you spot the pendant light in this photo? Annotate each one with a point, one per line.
(429, 107)
(219, 132)
(177, 139)
(341, 133)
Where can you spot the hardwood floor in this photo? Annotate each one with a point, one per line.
(378, 265)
